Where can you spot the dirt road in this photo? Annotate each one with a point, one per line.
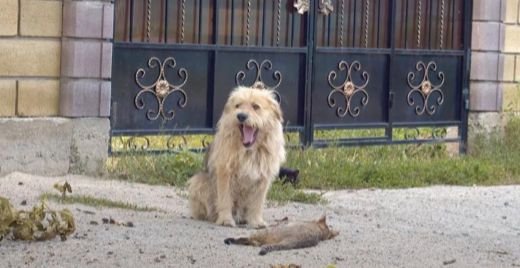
(423, 227)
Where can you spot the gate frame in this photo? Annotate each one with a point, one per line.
(307, 130)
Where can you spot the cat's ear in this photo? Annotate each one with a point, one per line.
(323, 219)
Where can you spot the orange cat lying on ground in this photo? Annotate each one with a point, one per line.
(288, 236)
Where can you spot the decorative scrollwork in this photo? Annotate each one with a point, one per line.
(348, 89)
(173, 142)
(439, 132)
(137, 143)
(265, 65)
(205, 142)
(425, 88)
(411, 133)
(326, 7)
(301, 6)
(161, 88)
(434, 133)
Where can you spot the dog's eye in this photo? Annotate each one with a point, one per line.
(238, 105)
(256, 106)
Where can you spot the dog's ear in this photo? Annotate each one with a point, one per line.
(279, 116)
(276, 107)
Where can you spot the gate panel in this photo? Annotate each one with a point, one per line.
(426, 89)
(140, 103)
(336, 64)
(281, 71)
(349, 89)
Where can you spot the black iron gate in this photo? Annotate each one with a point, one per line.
(380, 71)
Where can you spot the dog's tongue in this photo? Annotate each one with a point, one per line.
(249, 135)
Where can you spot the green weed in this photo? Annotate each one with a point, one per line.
(94, 202)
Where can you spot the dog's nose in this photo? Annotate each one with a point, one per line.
(241, 117)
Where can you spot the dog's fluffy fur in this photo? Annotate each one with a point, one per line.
(242, 161)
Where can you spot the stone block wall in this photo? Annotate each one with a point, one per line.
(30, 53)
(511, 59)
(55, 70)
(495, 62)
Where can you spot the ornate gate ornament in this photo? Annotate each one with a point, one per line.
(301, 6)
(326, 7)
(348, 89)
(161, 88)
(266, 65)
(425, 88)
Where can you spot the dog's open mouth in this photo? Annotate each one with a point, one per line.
(248, 135)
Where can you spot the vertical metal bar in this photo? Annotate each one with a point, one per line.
(200, 22)
(308, 129)
(166, 21)
(328, 29)
(391, 62)
(213, 63)
(342, 22)
(131, 20)
(292, 28)
(378, 23)
(468, 7)
(441, 40)
(354, 25)
(160, 21)
(215, 22)
(143, 29)
(263, 22)
(406, 25)
(248, 22)
(232, 20)
(367, 15)
(430, 26)
(419, 23)
(278, 21)
(453, 24)
(183, 19)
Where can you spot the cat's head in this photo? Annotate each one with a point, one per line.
(327, 232)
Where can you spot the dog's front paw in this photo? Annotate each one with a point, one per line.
(224, 221)
(257, 224)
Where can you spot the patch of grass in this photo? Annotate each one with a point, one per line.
(94, 202)
(168, 168)
(389, 167)
(493, 160)
(286, 193)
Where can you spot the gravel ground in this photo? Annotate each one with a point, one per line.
(422, 227)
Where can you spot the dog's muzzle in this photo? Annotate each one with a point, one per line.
(248, 132)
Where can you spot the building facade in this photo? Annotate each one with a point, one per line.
(56, 70)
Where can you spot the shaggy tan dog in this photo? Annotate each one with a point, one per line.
(243, 159)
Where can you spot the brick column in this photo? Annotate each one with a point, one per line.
(490, 64)
(86, 60)
(511, 52)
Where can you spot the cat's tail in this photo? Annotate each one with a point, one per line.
(238, 241)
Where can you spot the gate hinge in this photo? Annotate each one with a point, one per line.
(465, 96)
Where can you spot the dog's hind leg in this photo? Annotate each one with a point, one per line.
(197, 188)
